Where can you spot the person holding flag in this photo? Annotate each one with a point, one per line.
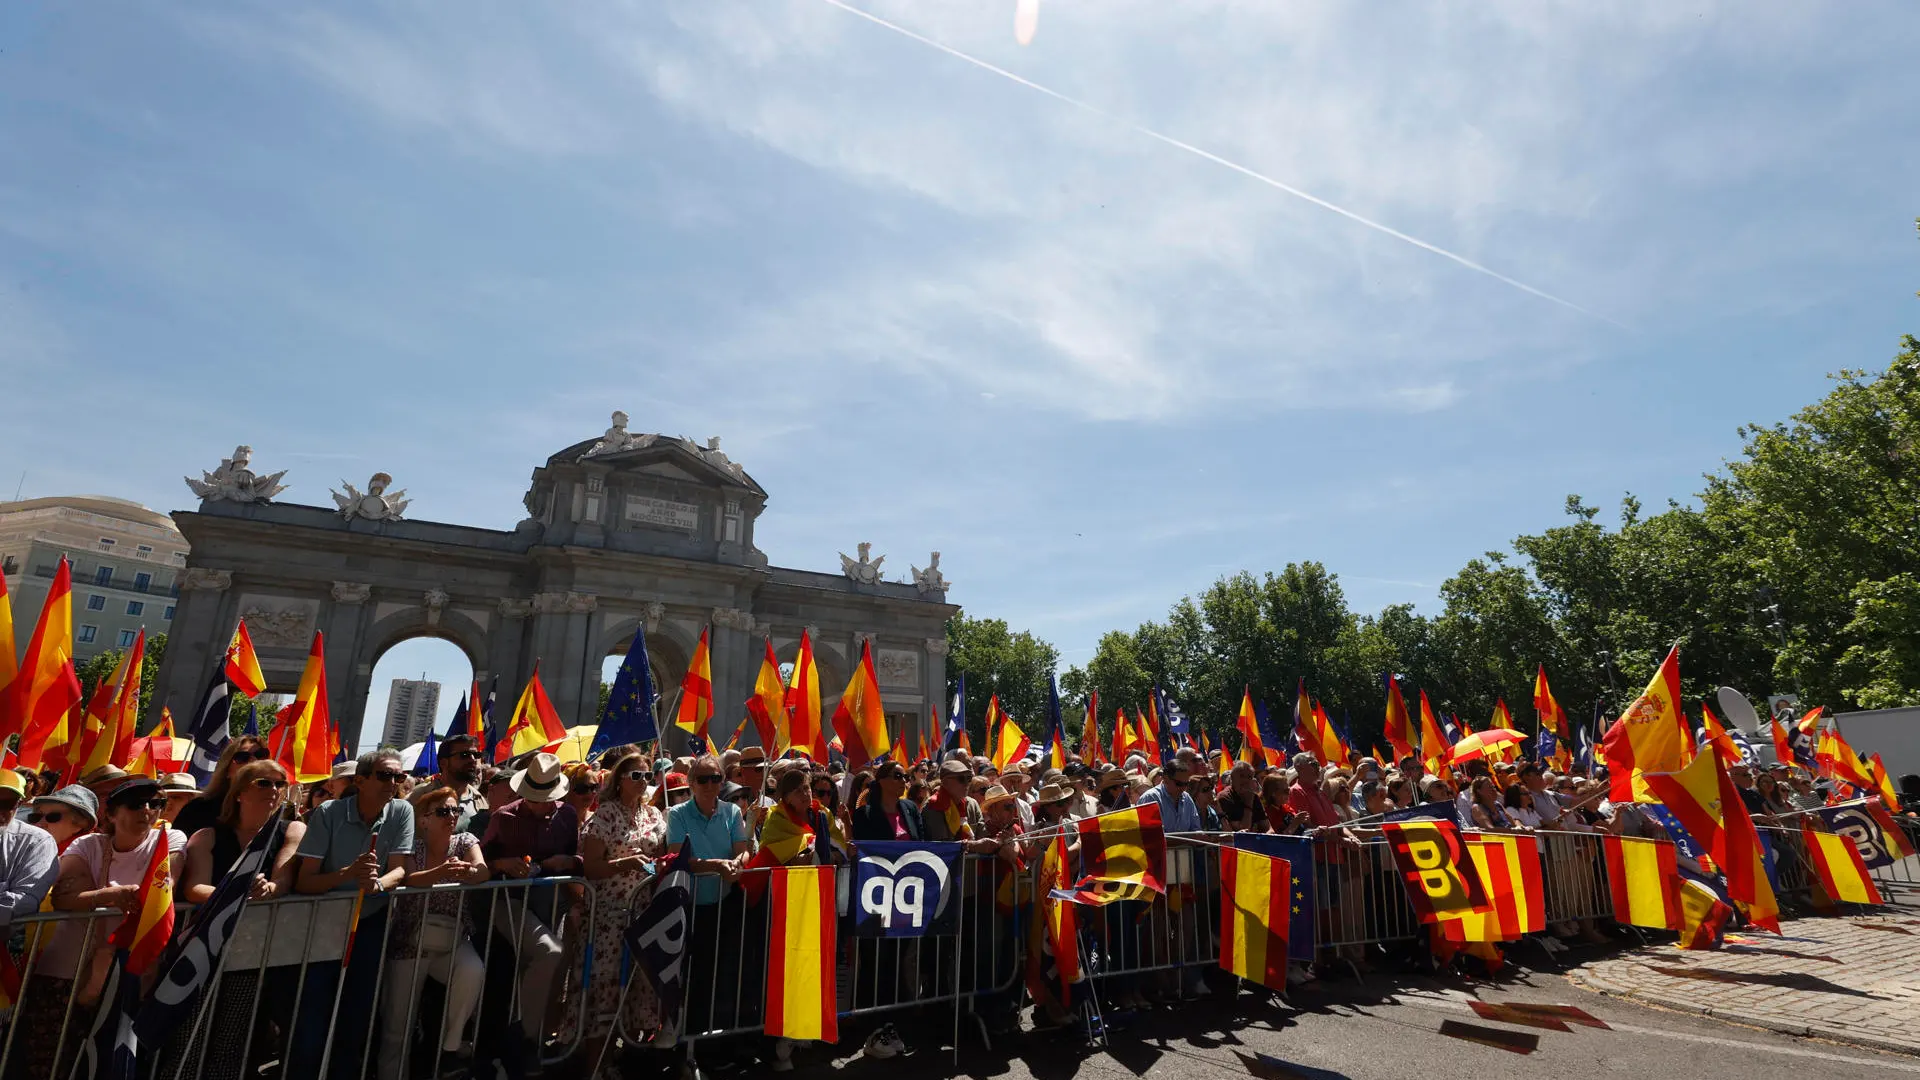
(131, 866)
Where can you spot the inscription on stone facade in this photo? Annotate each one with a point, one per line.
(662, 513)
(897, 667)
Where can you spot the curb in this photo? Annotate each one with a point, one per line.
(1782, 1027)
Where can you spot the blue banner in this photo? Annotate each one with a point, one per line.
(905, 889)
(1852, 821)
(660, 932)
(1298, 851)
(1440, 811)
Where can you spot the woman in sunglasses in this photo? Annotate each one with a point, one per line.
(99, 870)
(429, 936)
(204, 809)
(257, 791)
(622, 839)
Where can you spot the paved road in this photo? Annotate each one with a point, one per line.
(1389, 1030)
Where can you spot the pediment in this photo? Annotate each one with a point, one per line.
(664, 457)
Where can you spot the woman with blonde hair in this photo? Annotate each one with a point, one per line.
(428, 937)
(620, 842)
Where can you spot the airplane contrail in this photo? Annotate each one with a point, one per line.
(1218, 160)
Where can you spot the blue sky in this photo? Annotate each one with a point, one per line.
(930, 307)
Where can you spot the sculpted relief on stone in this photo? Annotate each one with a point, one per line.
(897, 667)
(278, 623)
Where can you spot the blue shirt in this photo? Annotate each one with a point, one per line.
(29, 863)
(713, 838)
(1177, 813)
(337, 835)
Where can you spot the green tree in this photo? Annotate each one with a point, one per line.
(996, 660)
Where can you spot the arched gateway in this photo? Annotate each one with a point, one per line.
(622, 531)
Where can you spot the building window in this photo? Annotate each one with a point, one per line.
(168, 613)
(103, 576)
(107, 542)
(180, 558)
(135, 607)
(96, 602)
(9, 565)
(141, 581)
(86, 634)
(126, 639)
(145, 550)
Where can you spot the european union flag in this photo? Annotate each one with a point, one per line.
(629, 715)
(1682, 839)
(428, 763)
(1298, 851)
(1546, 745)
(253, 719)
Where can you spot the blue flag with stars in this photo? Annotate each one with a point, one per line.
(1298, 851)
(629, 715)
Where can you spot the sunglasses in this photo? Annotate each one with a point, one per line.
(51, 817)
(389, 776)
(268, 783)
(446, 812)
(584, 789)
(470, 754)
(639, 774)
(150, 804)
(243, 757)
(709, 779)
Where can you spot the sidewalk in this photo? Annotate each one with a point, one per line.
(1854, 980)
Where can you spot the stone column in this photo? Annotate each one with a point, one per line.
(196, 642)
(344, 623)
(936, 689)
(735, 664)
(562, 627)
(507, 662)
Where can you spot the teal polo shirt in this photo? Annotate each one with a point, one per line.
(713, 838)
(337, 835)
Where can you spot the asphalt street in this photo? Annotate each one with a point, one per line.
(1389, 1029)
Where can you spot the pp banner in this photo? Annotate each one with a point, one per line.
(1439, 874)
(903, 889)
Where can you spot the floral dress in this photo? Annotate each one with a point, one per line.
(643, 832)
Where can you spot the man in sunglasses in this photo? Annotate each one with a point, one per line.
(359, 841)
(718, 832)
(460, 770)
(29, 857)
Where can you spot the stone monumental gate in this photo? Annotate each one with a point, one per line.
(622, 531)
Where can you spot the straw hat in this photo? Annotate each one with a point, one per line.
(994, 796)
(1053, 793)
(179, 781)
(542, 780)
(103, 774)
(1111, 777)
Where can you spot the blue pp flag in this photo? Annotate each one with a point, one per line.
(1177, 722)
(629, 715)
(1298, 851)
(904, 889)
(1852, 821)
(956, 714)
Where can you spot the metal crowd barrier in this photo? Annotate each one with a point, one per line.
(1903, 876)
(286, 968)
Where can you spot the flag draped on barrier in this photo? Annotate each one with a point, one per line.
(1837, 861)
(1255, 895)
(904, 888)
(193, 956)
(1123, 856)
(657, 936)
(1438, 872)
(1297, 853)
(1053, 941)
(801, 951)
(1510, 868)
(1644, 879)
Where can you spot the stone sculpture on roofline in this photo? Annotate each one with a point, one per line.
(234, 481)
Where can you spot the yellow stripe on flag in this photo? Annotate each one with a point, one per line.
(800, 991)
(1252, 905)
(1842, 861)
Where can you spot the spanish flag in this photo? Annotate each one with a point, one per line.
(44, 689)
(9, 658)
(1510, 867)
(1843, 874)
(1053, 934)
(1255, 911)
(1122, 854)
(1882, 782)
(1717, 737)
(1305, 731)
(1892, 837)
(1840, 761)
(303, 741)
(99, 731)
(1703, 916)
(535, 724)
(860, 718)
(1644, 878)
(1399, 724)
(768, 705)
(1252, 750)
(1090, 731)
(1552, 717)
(1651, 736)
(243, 664)
(1149, 722)
(1122, 736)
(1336, 748)
(805, 731)
(696, 694)
(801, 951)
(1433, 742)
(1782, 746)
(1006, 742)
(1441, 879)
(145, 930)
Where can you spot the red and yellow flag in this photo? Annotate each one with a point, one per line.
(1256, 897)
(696, 694)
(113, 713)
(243, 664)
(1717, 737)
(1306, 730)
(1843, 874)
(1252, 750)
(9, 657)
(45, 688)
(1882, 782)
(1836, 759)
(1090, 748)
(1892, 836)
(1651, 736)
(801, 952)
(303, 741)
(860, 718)
(1149, 722)
(1123, 855)
(768, 705)
(476, 728)
(1782, 746)
(1552, 717)
(1053, 934)
(1338, 753)
(145, 930)
(1006, 741)
(1510, 868)
(1400, 734)
(1441, 879)
(1644, 878)
(535, 724)
(805, 729)
(1433, 741)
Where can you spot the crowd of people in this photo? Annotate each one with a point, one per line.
(503, 973)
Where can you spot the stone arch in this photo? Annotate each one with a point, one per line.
(405, 625)
(829, 661)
